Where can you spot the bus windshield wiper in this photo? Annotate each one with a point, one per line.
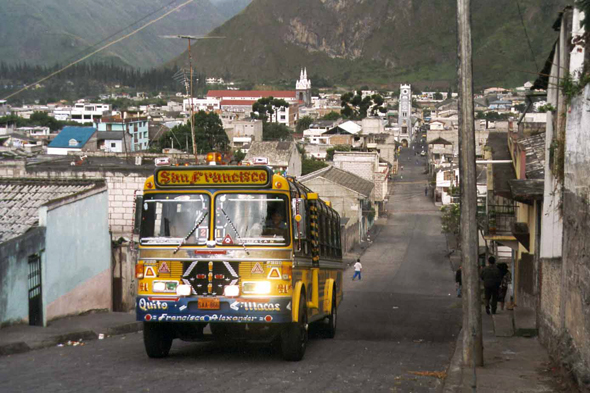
(198, 222)
(235, 230)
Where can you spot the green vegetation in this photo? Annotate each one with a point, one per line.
(310, 165)
(276, 132)
(265, 107)
(492, 116)
(451, 219)
(209, 135)
(239, 155)
(330, 151)
(392, 51)
(40, 119)
(43, 32)
(87, 80)
(331, 116)
(355, 107)
(303, 124)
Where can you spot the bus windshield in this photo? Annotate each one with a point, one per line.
(243, 219)
(175, 219)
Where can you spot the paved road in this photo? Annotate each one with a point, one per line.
(402, 317)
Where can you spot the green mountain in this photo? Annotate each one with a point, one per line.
(381, 42)
(50, 31)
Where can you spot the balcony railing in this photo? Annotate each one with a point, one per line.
(499, 219)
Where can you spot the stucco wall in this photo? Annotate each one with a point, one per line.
(576, 244)
(77, 261)
(343, 200)
(14, 270)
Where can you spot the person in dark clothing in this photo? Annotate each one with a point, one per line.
(458, 281)
(492, 277)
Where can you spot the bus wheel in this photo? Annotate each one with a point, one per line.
(157, 339)
(332, 318)
(294, 336)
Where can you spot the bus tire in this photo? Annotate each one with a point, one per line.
(157, 339)
(332, 318)
(294, 336)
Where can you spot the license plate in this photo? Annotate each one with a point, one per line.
(208, 304)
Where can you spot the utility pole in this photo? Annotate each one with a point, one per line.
(472, 335)
(189, 38)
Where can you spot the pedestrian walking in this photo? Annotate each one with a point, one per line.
(358, 267)
(458, 281)
(426, 191)
(504, 284)
(492, 278)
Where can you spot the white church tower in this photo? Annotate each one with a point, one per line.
(303, 88)
(405, 114)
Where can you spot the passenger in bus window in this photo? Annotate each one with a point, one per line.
(276, 225)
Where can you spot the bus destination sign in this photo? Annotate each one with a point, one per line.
(224, 177)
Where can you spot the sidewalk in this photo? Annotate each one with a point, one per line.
(23, 338)
(511, 363)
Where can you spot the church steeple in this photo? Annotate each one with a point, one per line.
(303, 87)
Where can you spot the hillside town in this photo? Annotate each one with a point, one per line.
(376, 157)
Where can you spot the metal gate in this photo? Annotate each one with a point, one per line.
(35, 301)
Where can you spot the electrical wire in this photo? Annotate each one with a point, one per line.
(119, 31)
(528, 40)
(100, 49)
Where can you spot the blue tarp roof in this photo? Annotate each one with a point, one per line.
(80, 134)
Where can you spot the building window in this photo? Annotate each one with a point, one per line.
(72, 142)
(113, 144)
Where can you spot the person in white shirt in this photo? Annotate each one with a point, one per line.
(357, 269)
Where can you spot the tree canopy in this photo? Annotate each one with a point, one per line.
(331, 116)
(330, 151)
(265, 107)
(355, 107)
(209, 135)
(303, 124)
(309, 165)
(276, 132)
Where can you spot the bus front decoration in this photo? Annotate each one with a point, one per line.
(235, 253)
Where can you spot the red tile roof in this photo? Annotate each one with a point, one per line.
(251, 93)
(237, 102)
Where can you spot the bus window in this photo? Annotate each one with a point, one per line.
(169, 219)
(251, 219)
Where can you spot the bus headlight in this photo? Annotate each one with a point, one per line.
(159, 287)
(231, 290)
(256, 287)
(183, 290)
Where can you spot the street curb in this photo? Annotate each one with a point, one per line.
(85, 335)
(10, 349)
(131, 327)
(453, 383)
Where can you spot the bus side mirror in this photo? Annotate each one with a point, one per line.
(138, 213)
(299, 219)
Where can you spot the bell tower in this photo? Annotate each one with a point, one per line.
(405, 113)
(303, 88)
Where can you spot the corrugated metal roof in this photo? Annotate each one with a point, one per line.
(343, 178)
(80, 134)
(20, 200)
(276, 152)
(534, 147)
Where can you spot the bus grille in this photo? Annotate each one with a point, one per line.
(208, 278)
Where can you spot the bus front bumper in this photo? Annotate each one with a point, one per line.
(231, 310)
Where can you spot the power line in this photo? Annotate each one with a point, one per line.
(118, 32)
(100, 49)
(528, 40)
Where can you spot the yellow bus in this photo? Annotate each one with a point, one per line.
(249, 253)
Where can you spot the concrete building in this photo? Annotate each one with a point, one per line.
(55, 249)
(351, 196)
(243, 132)
(88, 112)
(366, 165)
(135, 130)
